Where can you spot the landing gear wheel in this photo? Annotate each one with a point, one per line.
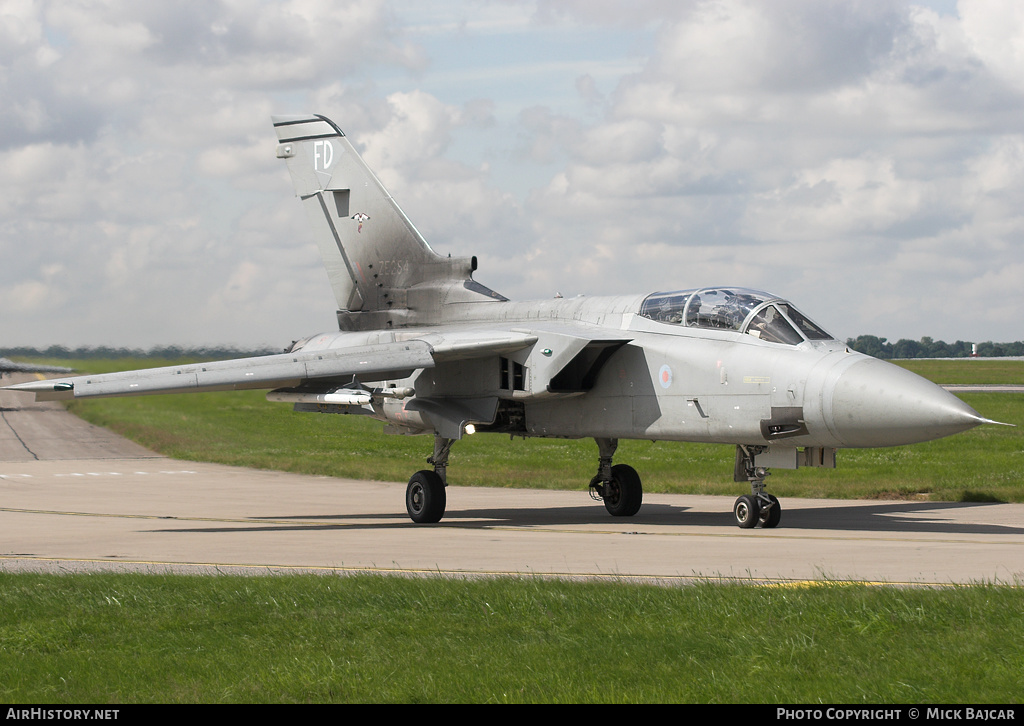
(425, 497)
(747, 512)
(624, 494)
(770, 514)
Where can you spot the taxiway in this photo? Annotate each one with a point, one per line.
(77, 497)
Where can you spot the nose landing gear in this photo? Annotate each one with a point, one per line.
(757, 508)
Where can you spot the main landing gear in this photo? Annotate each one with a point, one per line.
(758, 507)
(617, 486)
(425, 498)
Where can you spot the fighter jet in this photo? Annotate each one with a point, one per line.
(8, 366)
(426, 349)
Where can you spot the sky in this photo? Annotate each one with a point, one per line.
(863, 159)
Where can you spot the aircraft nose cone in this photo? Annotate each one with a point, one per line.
(875, 403)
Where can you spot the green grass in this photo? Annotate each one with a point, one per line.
(967, 370)
(243, 429)
(118, 638)
(106, 638)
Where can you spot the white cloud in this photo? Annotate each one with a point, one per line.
(995, 33)
(865, 158)
(812, 145)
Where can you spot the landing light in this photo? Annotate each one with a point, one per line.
(470, 429)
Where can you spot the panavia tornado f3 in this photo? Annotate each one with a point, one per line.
(427, 349)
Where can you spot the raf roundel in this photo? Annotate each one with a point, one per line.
(665, 376)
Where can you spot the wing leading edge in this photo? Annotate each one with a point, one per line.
(272, 371)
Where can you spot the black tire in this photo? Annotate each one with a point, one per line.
(746, 511)
(771, 516)
(624, 494)
(425, 497)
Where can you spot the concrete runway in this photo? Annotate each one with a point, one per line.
(75, 497)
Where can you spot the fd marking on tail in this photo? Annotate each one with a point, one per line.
(323, 155)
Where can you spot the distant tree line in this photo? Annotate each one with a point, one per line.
(927, 348)
(103, 351)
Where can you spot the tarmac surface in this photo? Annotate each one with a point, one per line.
(74, 497)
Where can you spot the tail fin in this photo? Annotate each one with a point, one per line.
(372, 252)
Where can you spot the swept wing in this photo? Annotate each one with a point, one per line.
(285, 370)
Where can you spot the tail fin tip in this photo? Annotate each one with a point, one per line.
(304, 126)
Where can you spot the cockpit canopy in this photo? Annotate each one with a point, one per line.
(757, 313)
